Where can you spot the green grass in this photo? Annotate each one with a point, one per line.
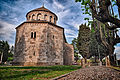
(117, 68)
(34, 73)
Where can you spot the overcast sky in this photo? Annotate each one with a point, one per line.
(13, 13)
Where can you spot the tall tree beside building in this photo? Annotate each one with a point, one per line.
(83, 41)
(76, 55)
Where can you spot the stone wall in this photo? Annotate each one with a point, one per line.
(45, 49)
(68, 54)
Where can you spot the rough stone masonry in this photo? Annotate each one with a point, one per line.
(39, 41)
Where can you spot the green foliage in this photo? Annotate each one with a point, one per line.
(74, 43)
(92, 30)
(10, 54)
(34, 73)
(10, 59)
(90, 23)
(115, 16)
(86, 18)
(83, 40)
(4, 48)
(114, 2)
(78, 0)
(85, 7)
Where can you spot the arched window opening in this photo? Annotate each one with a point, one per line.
(29, 17)
(50, 18)
(38, 16)
(53, 36)
(31, 34)
(34, 53)
(34, 34)
(45, 17)
(33, 17)
(54, 20)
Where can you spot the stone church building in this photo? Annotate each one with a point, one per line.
(40, 41)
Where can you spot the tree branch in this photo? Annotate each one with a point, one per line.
(117, 40)
(111, 27)
(103, 15)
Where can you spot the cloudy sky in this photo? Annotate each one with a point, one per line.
(13, 13)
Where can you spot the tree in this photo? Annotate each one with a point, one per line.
(97, 49)
(74, 43)
(10, 54)
(102, 13)
(83, 41)
(4, 50)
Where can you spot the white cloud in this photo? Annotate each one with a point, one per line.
(117, 51)
(57, 5)
(7, 31)
(70, 33)
(69, 36)
(118, 31)
(63, 14)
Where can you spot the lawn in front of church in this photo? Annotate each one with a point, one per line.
(34, 73)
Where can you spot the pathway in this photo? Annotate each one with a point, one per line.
(93, 73)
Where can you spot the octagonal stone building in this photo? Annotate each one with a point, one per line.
(39, 41)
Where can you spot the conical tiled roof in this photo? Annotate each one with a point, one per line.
(41, 9)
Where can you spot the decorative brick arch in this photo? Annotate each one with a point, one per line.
(54, 20)
(33, 17)
(50, 18)
(38, 16)
(29, 17)
(45, 17)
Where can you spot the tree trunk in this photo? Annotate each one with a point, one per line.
(107, 60)
(1, 57)
(85, 60)
(95, 59)
(111, 56)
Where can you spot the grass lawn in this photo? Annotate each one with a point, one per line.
(117, 68)
(34, 73)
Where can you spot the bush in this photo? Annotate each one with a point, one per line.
(10, 59)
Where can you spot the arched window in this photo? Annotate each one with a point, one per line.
(53, 36)
(54, 20)
(34, 53)
(45, 17)
(38, 16)
(29, 18)
(34, 34)
(50, 18)
(31, 34)
(33, 17)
